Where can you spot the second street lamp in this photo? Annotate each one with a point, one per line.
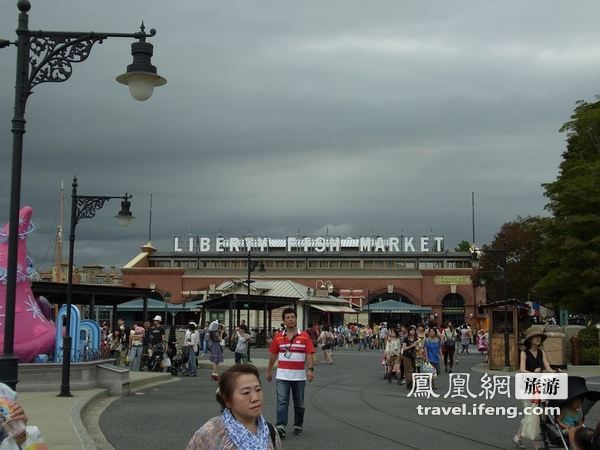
(82, 207)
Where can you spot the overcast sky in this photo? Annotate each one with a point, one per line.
(357, 116)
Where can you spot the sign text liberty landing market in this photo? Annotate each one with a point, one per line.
(393, 244)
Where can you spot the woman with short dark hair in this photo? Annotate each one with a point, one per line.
(241, 425)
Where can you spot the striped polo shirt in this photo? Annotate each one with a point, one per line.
(291, 355)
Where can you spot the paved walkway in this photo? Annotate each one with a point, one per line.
(349, 397)
(60, 419)
(349, 405)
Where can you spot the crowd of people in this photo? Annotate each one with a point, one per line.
(405, 349)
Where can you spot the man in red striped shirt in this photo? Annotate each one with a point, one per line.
(293, 350)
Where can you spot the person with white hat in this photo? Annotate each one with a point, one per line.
(532, 360)
(157, 332)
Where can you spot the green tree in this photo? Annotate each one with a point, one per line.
(571, 259)
(522, 241)
(463, 246)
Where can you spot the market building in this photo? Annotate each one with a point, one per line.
(361, 271)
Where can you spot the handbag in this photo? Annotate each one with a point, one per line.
(426, 367)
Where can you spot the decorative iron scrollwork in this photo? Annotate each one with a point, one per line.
(51, 57)
(87, 206)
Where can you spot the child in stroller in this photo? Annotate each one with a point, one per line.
(155, 360)
(179, 365)
(569, 426)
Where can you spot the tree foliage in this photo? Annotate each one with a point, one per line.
(463, 246)
(570, 260)
(521, 241)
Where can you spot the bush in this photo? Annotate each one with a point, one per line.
(590, 355)
(589, 337)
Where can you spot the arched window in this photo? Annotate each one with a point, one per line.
(453, 309)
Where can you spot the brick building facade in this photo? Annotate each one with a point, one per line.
(440, 280)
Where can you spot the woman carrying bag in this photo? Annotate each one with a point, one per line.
(532, 360)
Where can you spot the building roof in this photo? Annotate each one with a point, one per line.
(278, 288)
(82, 294)
(272, 288)
(343, 253)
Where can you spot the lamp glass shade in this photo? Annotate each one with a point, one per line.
(124, 219)
(141, 86)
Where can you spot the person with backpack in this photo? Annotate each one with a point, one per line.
(449, 346)
(326, 339)
(241, 424)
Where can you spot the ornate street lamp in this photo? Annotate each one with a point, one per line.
(47, 57)
(83, 207)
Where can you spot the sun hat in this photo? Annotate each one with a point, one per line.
(214, 325)
(532, 332)
(193, 323)
(577, 388)
(158, 318)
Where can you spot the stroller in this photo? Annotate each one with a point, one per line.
(177, 366)
(155, 361)
(551, 431)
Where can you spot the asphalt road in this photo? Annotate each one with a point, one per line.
(348, 406)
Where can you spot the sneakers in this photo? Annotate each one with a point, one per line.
(298, 431)
(281, 432)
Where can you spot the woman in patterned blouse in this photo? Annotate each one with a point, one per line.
(241, 425)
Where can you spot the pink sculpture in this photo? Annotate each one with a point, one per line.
(34, 333)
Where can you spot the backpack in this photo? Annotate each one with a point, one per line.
(329, 340)
(449, 342)
(233, 343)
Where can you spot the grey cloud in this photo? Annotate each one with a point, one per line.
(352, 115)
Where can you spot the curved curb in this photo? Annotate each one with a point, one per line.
(84, 404)
(77, 412)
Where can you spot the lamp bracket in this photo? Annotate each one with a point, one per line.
(51, 57)
(52, 53)
(87, 206)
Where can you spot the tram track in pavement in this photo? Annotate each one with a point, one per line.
(362, 395)
(346, 422)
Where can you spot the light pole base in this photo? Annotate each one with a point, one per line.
(65, 385)
(9, 370)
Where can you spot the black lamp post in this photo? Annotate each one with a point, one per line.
(47, 57)
(251, 268)
(83, 207)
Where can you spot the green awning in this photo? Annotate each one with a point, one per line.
(396, 307)
(157, 305)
